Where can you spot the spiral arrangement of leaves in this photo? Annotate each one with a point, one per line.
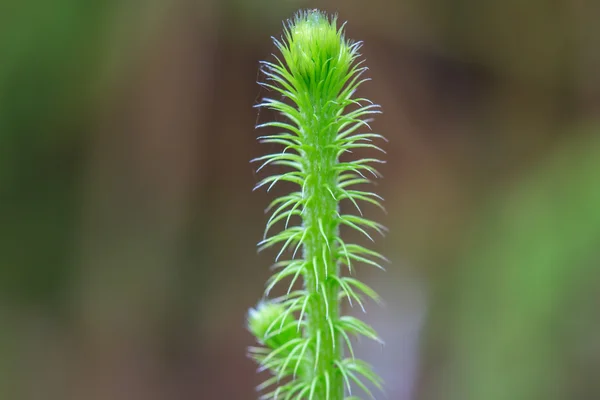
(305, 341)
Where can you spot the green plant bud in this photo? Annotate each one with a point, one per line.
(316, 47)
(269, 314)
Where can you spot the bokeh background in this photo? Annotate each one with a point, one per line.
(128, 223)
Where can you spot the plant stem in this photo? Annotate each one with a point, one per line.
(320, 220)
(302, 333)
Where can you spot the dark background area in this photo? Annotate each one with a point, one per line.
(128, 225)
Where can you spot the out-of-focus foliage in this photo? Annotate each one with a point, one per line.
(521, 315)
(50, 52)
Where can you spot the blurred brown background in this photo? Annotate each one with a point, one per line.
(128, 223)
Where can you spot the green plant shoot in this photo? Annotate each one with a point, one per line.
(305, 340)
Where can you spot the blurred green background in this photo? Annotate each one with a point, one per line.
(128, 225)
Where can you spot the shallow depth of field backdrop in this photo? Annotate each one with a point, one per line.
(128, 226)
